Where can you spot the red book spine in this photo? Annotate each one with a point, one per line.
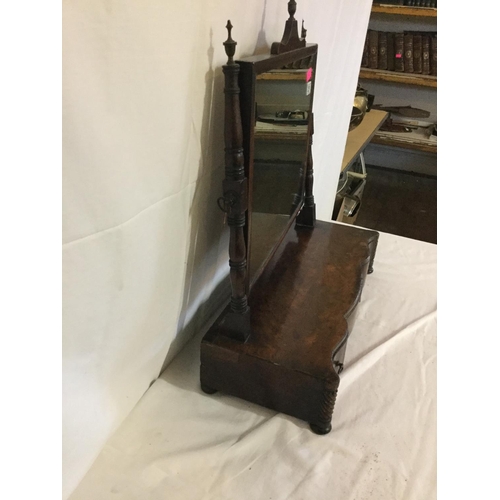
(399, 64)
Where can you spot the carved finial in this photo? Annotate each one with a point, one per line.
(229, 44)
(303, 32)
(290, 40)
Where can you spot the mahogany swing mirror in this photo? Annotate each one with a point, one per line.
(295, 281)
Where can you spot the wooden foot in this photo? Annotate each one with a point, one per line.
(207, 390)
(319, 429)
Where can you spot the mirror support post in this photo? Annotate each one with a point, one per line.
(237, 322)
(307, 216)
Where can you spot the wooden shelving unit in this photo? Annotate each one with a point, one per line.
(281, 137)
(405, 141)
(396, 77)
(402, 18)
(289, 76)
(400, 10)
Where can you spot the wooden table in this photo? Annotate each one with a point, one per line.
(358, 139)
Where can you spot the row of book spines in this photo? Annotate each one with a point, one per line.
(408, 52)
(420, 3)
(409, 3)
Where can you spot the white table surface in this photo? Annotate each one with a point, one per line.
(181, 444)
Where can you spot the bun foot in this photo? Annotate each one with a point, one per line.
(320, 429)
(207, 390)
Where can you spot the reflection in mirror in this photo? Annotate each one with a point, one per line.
(282, 112)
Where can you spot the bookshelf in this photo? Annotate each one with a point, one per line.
(400, 10)
(412, 141)
(299, 75)
(395, 77)
(399, 88)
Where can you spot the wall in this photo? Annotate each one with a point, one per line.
(145, 248)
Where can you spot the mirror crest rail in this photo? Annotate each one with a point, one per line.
(290, 40)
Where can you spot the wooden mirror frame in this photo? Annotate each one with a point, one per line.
(240, 82)
(289, 353)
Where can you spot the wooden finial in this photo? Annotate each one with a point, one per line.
(229, 44)
(290, 40)
(303, 31)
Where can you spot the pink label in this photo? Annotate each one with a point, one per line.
(309, 74)
(399, 56)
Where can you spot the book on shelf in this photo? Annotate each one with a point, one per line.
(417, 53)
(399, 64)
(373, 48)
(433, 55)
(390, 51)
(365, 60)
(408, 52)
(382, 50)
(418, 3)
(426, 54)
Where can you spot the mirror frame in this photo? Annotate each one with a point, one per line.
(239, 167)
(250, 68)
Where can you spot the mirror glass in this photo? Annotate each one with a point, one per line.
(282, 117)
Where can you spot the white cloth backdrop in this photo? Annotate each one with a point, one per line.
(179, 443)
(144, 244)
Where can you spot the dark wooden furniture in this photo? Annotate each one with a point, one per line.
(295, 281)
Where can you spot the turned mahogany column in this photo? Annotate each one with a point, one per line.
(236, 324)
(307, 215)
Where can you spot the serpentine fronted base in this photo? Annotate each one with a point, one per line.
(290, 361)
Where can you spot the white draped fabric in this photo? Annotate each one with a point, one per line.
(179, 443)
(144, 244)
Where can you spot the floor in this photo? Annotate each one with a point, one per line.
(400, 203)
